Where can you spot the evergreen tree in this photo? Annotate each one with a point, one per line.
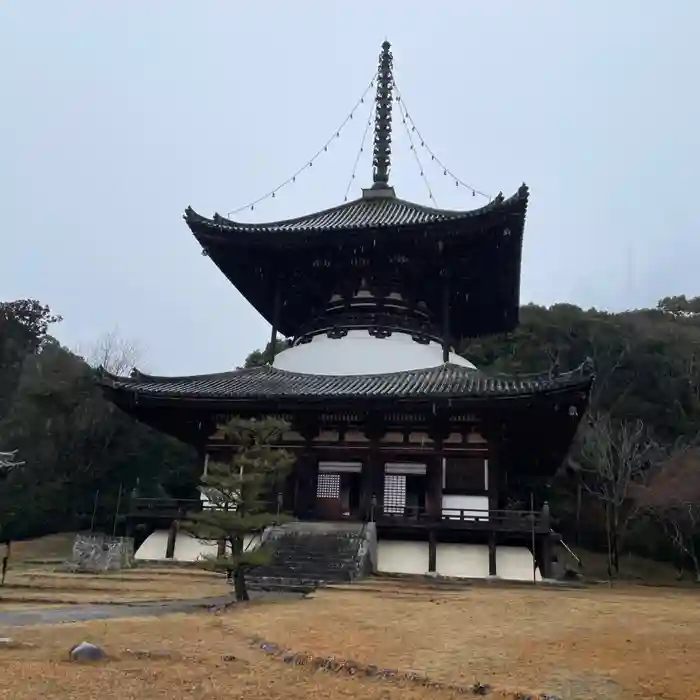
(241, 497)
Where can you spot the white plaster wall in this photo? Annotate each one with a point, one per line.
(462, 560)
(187, 547)
(401, 557)
(153, 547)
(472, 561)
(515, 564)
(360, 353)
(478, 506)
(454, 560)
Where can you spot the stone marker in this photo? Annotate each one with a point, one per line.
(86, 652)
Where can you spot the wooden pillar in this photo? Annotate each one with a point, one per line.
(445, 319)
(299, 473)
(546, 545)
(493, 480)
(374, 431)
(377, 481)
(545, 552)
(438, 431)
(492, 554)
(277, 304)
(432, 550)
(366, 490)
(289, 489)
(305, 468)
(308, 483)
(435, 487)
(493, 472)
(172, 538)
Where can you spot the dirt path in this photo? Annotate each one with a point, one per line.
(103, 611)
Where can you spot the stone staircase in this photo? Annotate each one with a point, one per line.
(307, 555)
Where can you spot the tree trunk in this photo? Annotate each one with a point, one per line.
(239, 585)
(5, 562)
(680, 566)
(608, 535)
(579, 499)
(614, 540)
(694, 556)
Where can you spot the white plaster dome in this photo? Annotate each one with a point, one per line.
(361, 353)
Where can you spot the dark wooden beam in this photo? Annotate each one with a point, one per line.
(307, 470)
(432, 550)
(546, 546)
(445, 318)
(492, 555)
(375, 429)
(367, 490)
(277, 305)
(172, 538)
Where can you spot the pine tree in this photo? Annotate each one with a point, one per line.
(238, 497)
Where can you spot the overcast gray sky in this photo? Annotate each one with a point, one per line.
(117, 115)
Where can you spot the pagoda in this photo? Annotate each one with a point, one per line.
(388, 423)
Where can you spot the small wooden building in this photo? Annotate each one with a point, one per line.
(388, 423)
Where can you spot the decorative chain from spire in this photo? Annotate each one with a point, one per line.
(382, 120)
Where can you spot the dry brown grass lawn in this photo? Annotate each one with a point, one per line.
(629, 642)
(196, 671)
(55, 547)
(43, 585)
(624, 643)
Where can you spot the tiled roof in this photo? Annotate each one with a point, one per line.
(444, 381)
(366, 212)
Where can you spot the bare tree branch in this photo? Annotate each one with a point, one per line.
(671, 495)
(611, 459)
(114, 353)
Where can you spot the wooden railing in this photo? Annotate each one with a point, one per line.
(469, 518)
(453, 518)
(164, 506)
(174, 507)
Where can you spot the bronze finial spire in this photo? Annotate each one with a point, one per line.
(382, 120)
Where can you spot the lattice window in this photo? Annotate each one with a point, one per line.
(395, 494)
(328, 486)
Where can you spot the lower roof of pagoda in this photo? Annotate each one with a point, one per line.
(259, 384)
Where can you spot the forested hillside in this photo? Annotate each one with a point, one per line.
(632, 480)
(77, 450)
(633, 476)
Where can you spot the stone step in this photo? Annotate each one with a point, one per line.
(310, 569)
(316, 548)
(309, 558)
(281, 584)
(320, 574)
(313, 561)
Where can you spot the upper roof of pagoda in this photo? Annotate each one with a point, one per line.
(291, 270)
(374, 210)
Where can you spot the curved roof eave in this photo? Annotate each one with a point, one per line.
(417, 214)
(445, 382)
